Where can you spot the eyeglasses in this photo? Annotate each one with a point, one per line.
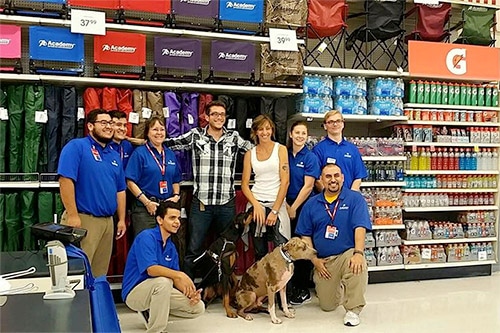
(104, 123)
(217, 114)
(335, 122)
(120, 124)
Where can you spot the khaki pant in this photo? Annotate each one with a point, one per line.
(343, 287)
(98, 243)
(159, 296)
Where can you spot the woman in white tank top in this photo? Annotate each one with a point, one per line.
(269, 162)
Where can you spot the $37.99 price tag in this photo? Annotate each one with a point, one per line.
(88, 22)
(283, 39)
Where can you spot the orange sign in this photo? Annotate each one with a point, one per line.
(453, 61)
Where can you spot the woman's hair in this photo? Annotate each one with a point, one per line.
(151, 122)
(295, 124)
(259, 122)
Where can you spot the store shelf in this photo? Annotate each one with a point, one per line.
(49, 184)
(383, 158)
(385, 268)
(27, 184)
(349, 117)
(450, 264)
(450, 190)
(448, 241)
(451, 107)
(448, 208)
(388, 226)
(452, 123)
(451, 144)
(354, 72)
(451, 172)
(156, 31)
(471, 3)
(185, 86)
(382, 184)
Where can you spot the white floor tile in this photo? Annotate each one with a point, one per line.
(450, 305)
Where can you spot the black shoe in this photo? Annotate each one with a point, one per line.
(301, 296)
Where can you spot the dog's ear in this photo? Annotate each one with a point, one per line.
(248, 216)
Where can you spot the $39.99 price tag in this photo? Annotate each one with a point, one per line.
(88, 22)
(283, 39)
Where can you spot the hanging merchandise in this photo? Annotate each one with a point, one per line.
(157, 11)
(286, 13)
(146, 104)
(204, 99)
(12, 222)
(61, 106)
(173, 121)
(282, 68)
(28, 204)
(4, 121)
(15, 108)
(124, 104)
(3, 227)
(109, 97)
(120, 49)
(277, 109)
(195, 14)
(55, 44)
(241, 16)
(45, 207)
(108, 4)
(180, 54)
(33, 126)
(232, 57)
(10, 49)
(91, 101)
(42, 8)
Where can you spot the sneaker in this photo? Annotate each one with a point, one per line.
(301, 296)
(351, 319)
(145, 317)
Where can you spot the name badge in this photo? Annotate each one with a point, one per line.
(331, 232)
(96, 155)
(331, 160)
(163, 187)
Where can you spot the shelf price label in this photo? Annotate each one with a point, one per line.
(283, 39)
(427, 2)
(88, 22)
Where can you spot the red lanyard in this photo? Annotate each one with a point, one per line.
(334, 212)
(162, 154)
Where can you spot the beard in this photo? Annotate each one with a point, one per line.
(100, 138)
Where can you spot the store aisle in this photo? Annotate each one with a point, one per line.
(449, 305)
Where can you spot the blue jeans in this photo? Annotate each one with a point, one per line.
(212, 217)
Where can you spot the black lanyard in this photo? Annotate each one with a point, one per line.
(332, 213)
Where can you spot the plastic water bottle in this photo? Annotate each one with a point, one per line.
(473, 164)
(461, 160)
(494, 160)
(468, 160)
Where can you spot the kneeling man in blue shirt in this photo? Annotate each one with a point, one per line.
(152, 282)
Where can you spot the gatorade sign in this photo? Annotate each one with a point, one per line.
(453, 61)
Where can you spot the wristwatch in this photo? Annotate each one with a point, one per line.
(358, 252)
(275, 212)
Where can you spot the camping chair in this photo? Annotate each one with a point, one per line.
(288, 13)
(145, 12)
(241, 17)
(110, 7)
(10, 49)
(326, 26)
(384, 31)
(477, 26)
(199, 15)
(432, 22)
(41, 8)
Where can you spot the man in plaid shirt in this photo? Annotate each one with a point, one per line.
(214, 159)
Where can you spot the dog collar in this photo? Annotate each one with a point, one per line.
(286, 256)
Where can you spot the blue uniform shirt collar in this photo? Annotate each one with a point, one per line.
(97, 144)
(321, 198)
(340, 143)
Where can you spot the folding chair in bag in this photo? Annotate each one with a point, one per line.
(10, 49)
(241, 17)
(120, 49)
(110, 7)
(200, 15)
(180, 54)
(55, 51)
(432, 22)
(326, 29)
(289, 13)
(229, 58)
(145, 12)
(41, 8)
(281, 68)
(477, 26)
(383, 30)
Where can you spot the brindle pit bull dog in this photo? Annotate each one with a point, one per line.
(268, 276)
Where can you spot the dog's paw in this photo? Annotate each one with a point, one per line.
(248, 317)
(290, 313)
(231, 314)
(276, 321)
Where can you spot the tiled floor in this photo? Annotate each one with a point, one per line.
(451, 305)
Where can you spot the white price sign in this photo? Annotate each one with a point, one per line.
(88, 22)
(427, 2)
(283, 39)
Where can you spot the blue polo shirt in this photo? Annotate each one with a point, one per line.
(147, 250)
(345, 154)
(305, 163)
(125, 150)
(144, 170)
(352, 212)
(97, 173)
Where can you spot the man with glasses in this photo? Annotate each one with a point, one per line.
(92, 186)
(120, 142)
(214, 159)
(335, 149)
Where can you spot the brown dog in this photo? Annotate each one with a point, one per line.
(268, 276)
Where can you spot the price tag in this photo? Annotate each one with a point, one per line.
(146, 113)
(133, 118)
(248, 123)
(283, 39)
(322, 47)
(4, 114)
(190, 119)
(427, 2)
(88, 22)
(231, 123)
(426, 253)
(80, 114)
(166, 112)
(41, 117)
(482, 255)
